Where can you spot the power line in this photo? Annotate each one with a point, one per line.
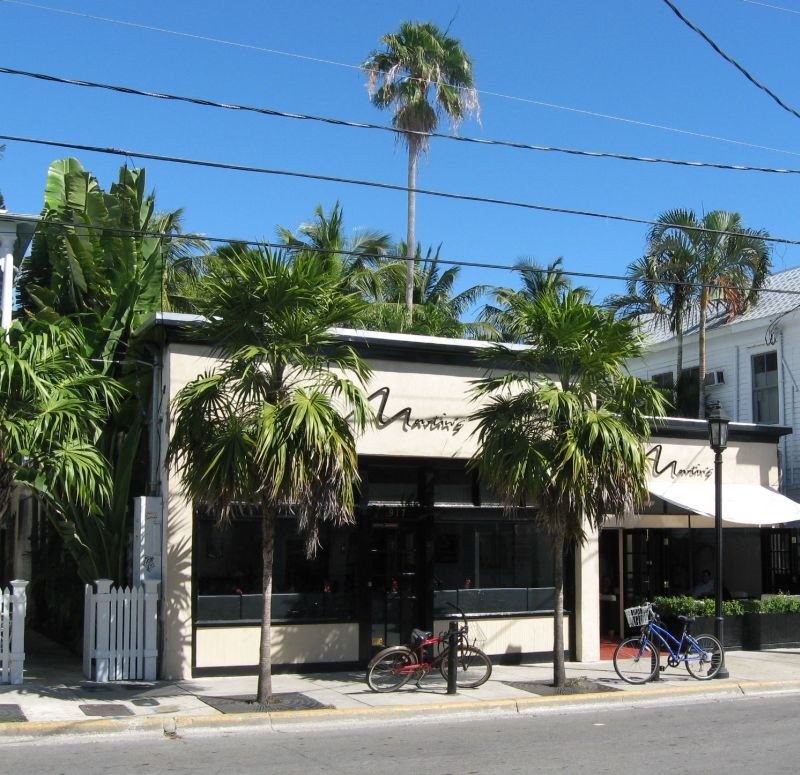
(300, 246)
(374, 184)
(385, 128)
(773, 7)
(732, 61)
(194, 36)
(318, 60)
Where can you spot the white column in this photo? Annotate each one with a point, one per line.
(587, 598)
(19, 605)
(7, 241)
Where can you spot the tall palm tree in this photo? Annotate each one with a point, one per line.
(571, 442)
(275, 424)
(438, 310)
(537, 281)
(727, 263)
(357, 258)
(660, 290)
(421, 74)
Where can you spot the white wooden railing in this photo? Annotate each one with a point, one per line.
(120, 632)
(13, 604)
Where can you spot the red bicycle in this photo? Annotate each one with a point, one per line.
(394, 666)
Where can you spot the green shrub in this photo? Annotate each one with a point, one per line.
(780, 604)
(689, 606)
(680, 604)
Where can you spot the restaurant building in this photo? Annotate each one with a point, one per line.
(427, 533)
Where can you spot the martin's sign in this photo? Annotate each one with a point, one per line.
(439, 422)
(693, 471)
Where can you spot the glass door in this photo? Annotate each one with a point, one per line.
(394, 583)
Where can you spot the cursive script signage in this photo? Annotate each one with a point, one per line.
(439, 422)
(692, 472)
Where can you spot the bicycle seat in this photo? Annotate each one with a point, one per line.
(419, 636)
(687, 619)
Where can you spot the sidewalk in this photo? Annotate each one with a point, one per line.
(56, 699)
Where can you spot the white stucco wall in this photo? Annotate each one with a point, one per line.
(422, 410)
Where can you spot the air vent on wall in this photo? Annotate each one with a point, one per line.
(714, 378)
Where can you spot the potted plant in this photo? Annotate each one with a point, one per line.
(772, 623)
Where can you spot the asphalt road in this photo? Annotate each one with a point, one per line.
(741, 735)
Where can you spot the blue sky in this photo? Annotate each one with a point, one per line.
(559, 64)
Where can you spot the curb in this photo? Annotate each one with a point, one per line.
(172, 725)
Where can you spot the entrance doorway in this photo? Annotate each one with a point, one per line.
(395, 582)
(610, 585)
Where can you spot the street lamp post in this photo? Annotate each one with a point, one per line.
(718, 441)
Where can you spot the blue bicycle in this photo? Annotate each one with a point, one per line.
(637, 659)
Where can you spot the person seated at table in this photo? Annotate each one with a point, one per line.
(705, 587)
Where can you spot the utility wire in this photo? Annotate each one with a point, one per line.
(385, 128)
(528, 100)
(194, 36)
(773, 7)
(303, 247)
(377, 184)
(731, 60)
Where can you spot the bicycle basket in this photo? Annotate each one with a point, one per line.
(639, 615)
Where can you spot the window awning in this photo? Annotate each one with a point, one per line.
(744, 504)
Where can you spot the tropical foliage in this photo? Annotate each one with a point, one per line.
(53, 408)
(703, 265)
(537, 281)
(562, 427)
(438, 309)
(99, 259)
(421, 74)
(275, 425)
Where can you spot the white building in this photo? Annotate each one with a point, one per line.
(752, 365)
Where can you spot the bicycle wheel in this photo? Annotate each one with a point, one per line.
(704, 657)
(472, 665)
(636, 660)
(389, 669)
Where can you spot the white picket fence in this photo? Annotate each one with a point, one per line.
(120, 632)
(13, 604)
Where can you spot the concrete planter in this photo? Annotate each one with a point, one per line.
(734, 630)
(769, 631)
(706, 625)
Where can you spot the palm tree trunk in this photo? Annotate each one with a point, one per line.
(701, 343)
(411, 239)
(559, 670)
(678, 366)
(264, 691)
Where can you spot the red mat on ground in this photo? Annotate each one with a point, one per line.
(607, 649)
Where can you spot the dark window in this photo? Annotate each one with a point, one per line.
(393, 484)
(765, 388)
(229, 582)
(492, 567)
(665, 380)
(688, 393)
